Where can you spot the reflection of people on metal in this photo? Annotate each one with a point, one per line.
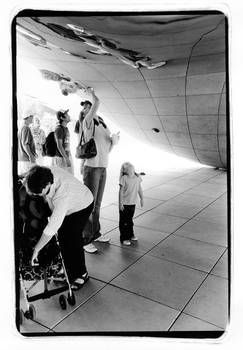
(26, 146)
(67, 86)
(39, 139)
(63, 157)
(135, 63)
(108, 47)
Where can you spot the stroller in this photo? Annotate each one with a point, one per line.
(32, 218)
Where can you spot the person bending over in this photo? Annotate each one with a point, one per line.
(71, 203)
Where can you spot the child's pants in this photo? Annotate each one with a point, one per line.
(126, 222)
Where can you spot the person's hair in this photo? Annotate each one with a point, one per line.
(125, 166)
(61, 116)
(86, 102)
(65, 92)
(38, 177)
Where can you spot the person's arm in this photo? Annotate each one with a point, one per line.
(44, 239)
(92, 112)
(55, 221)
(121, 206)
(140, 193)
(60, 148)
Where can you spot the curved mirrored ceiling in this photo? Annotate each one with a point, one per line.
(160, 77)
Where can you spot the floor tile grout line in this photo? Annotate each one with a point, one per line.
(135, 293)
(213, 200)
(80, 305)
(198, 318)
(200, 285)
(199, 240)
(48, 329)
(183, 265)
(181, 176)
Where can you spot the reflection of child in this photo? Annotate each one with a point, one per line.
(130, 188)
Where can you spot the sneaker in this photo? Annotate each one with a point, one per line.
(126, 242)
(134, 238)
(102, 239)
(90, 248)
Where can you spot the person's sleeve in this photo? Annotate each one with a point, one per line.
(57, 217)
(122, 181)
(59, 133)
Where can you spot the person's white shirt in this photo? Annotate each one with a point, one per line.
(67, 195)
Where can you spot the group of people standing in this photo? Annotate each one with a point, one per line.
(75, 205)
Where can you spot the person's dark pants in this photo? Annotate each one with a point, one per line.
(94, 179)
(71, 242)
(126, 222)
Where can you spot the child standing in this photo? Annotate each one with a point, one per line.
(130, 188)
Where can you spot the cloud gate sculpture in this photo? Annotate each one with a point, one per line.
(162, 77)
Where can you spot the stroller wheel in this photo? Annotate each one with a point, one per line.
(31, 313)
(62, 301)
(71, 298)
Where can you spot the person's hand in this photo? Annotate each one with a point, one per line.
(115, 138)
(141, 202)
(121, 207)
(34, 260)
(32, 159)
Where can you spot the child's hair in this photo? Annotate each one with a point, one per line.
(125, 166)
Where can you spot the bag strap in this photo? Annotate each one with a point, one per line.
(82, 135)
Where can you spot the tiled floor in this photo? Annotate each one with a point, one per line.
(175, 278)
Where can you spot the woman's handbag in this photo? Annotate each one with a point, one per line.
(88, 149)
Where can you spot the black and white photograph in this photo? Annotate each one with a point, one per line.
(121, 134)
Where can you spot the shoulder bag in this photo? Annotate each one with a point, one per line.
(86, 150)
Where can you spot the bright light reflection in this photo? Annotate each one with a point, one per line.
(145, 158)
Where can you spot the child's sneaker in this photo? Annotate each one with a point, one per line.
(126, 242)
(134, 238)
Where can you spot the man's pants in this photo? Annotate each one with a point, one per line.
(71, 242)
(94, 179)
(126, 222)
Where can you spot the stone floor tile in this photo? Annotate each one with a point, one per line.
(188, 252)
(188, 323)
(210, 302)
(162, 281)
(160, 222)
(215, 233)
(119, 311)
